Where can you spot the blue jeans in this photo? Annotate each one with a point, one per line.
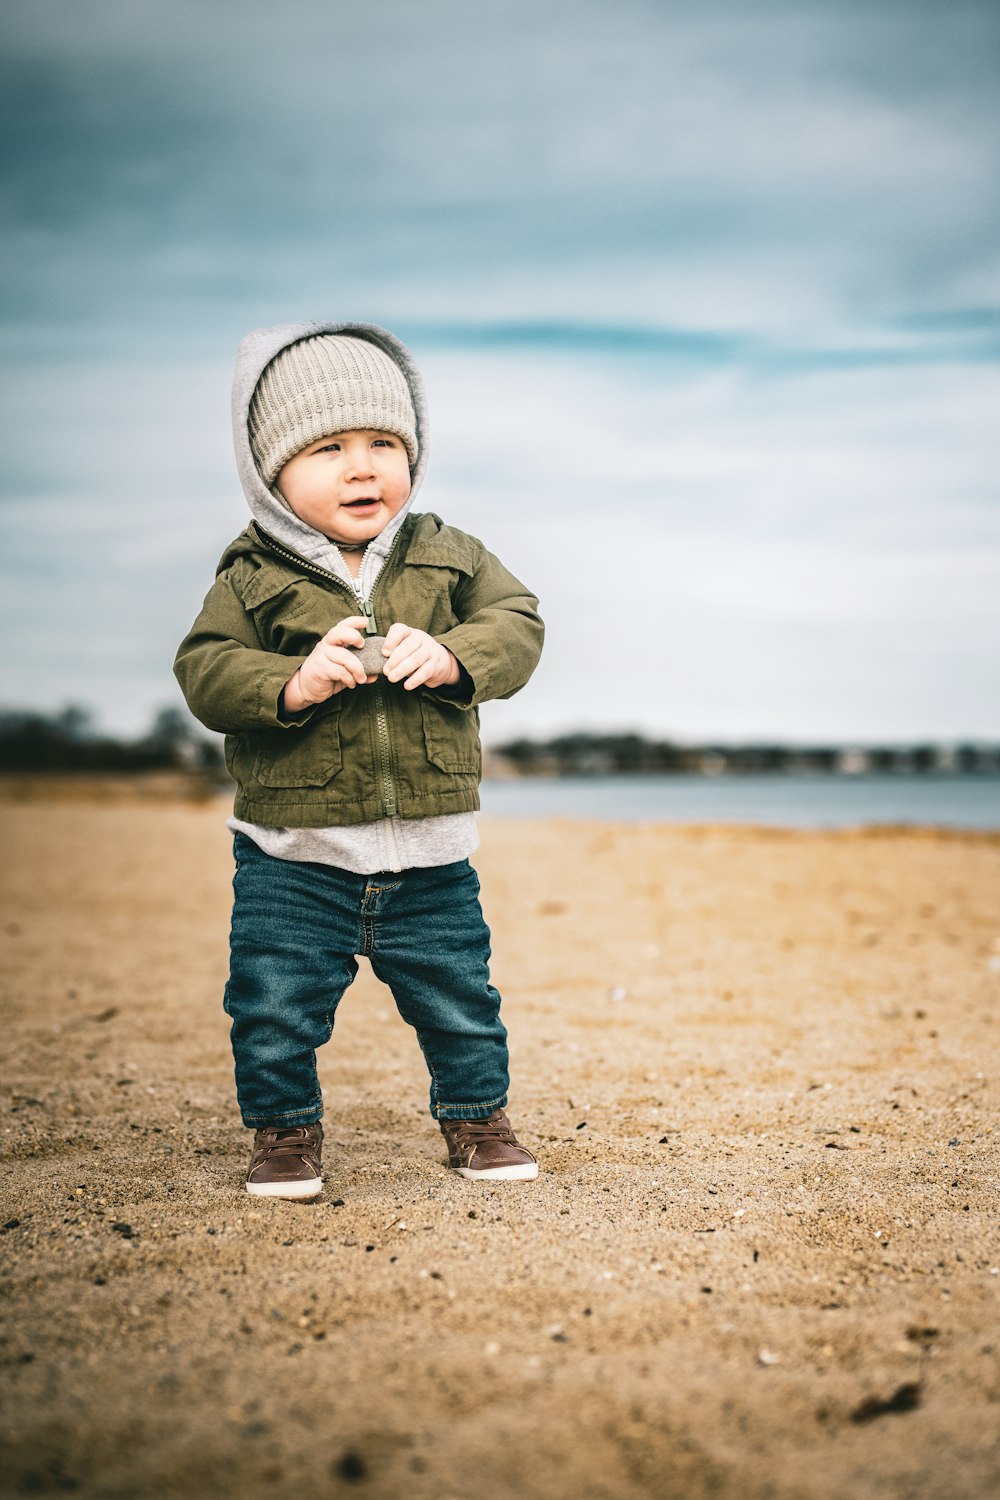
(296, 930)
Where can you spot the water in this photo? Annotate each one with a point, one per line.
(777, 801)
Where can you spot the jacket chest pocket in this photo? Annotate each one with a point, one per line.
(310, 756)
(451, 737)
(290, 615)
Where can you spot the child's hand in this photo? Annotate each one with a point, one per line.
(419, 658)
(329, 668)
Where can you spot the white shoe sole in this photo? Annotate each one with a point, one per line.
(523, 1173)
(309, 1187)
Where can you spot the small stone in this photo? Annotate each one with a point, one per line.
(350, 1466)
(765, 1357)
(904, 1398)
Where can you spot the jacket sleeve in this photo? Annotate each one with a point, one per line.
(499, 636)
(228, 680)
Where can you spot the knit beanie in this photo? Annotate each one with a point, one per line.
(321, 386)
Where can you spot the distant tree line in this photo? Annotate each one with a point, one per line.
(69, 740)
(587, 754)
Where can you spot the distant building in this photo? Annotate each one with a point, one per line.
(853, 761)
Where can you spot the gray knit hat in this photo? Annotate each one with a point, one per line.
(321, 386)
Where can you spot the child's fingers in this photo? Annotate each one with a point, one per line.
(420, 676)
(402, 662)
(395, 635)
(344, 665)
(347, 632)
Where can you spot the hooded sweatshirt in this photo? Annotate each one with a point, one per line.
(388, 843)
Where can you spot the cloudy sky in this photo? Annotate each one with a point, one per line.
(706, 297)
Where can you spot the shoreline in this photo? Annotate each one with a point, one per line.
(165, 787)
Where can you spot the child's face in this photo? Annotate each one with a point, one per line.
(348, 486)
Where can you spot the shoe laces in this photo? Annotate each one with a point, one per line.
(289, 1141)
(475, 1132)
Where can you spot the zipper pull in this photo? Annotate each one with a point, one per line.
(366, 605)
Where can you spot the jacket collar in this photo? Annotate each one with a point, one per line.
(423, 541)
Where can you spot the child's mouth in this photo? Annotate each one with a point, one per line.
(365, 504)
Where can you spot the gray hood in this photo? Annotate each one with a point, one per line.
(255, 353)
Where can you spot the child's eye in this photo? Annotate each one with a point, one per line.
(329, 448)
(383, 443)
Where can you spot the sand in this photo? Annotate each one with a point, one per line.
(761, 1259)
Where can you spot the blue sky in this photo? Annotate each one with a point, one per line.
(707, 299)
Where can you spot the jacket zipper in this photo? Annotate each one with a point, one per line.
(382, 736)
(381, 722)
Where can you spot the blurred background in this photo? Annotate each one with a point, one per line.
(705, 295)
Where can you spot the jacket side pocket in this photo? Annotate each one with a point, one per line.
(310, 756)
(451, 737)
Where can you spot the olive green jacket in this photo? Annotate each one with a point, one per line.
(373, 751)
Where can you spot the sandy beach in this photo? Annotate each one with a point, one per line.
(761, 1258)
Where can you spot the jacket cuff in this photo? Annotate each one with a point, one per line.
(459, 694)
(270, 687)
(472, 687)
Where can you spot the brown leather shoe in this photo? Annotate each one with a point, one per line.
(286, 1162)
(487, 1148)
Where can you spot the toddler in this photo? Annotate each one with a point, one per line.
(343, 650)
